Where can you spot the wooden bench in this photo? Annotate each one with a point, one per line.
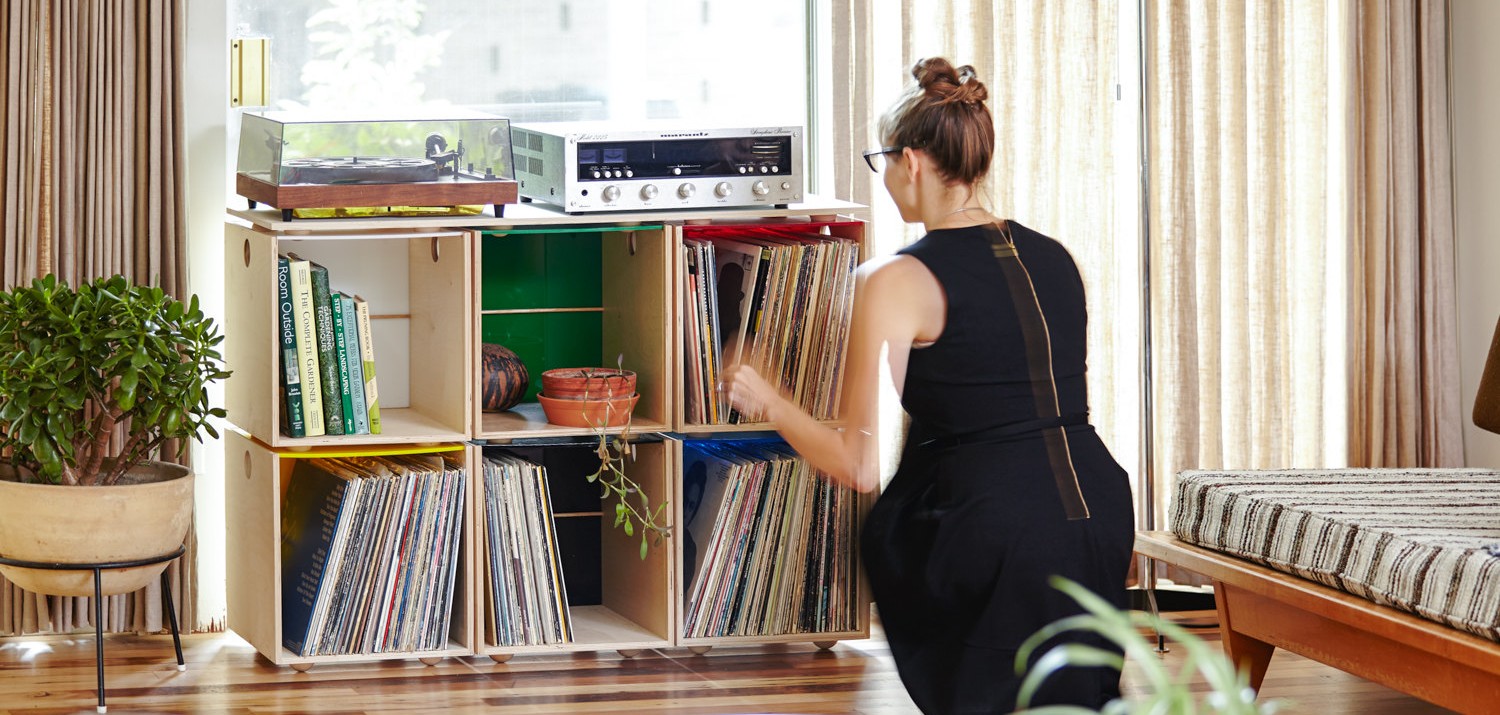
(1261, 609)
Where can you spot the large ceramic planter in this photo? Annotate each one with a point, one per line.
(70, 524)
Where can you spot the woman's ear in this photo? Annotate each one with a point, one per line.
(911, 163)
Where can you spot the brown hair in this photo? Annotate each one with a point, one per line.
(945, 116)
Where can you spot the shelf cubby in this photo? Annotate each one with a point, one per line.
(575, 296)
(256, 481)
(820, 223)
(617, 600)
(418, 284)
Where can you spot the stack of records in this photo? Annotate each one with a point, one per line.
(369, 553)
(528, 604)
(771, 297)
(767, 543)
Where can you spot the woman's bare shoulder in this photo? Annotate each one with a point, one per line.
(894, 270)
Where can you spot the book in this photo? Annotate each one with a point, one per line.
(367, 363)
(354, 364)
(305, 326)
(328, 363)
(292, 424)
(341, 358)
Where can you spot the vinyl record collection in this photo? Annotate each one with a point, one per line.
(767, 543)
(774, 297)
(528, 603)
(370, 552)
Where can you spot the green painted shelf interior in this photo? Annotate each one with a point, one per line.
(546, 269)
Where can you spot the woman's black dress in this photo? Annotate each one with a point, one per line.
(961, 543)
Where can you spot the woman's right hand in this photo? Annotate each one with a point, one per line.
(747, 391)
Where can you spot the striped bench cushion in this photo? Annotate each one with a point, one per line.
(1426, 541)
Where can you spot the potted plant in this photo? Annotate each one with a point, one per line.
(1228, 690)
(95, 384)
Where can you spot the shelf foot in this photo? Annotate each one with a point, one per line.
(302, 667)
(825, 645)
(699, 649)
(431, 660)
(501, 657)
(629, 652)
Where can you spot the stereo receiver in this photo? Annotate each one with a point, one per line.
(593, 167)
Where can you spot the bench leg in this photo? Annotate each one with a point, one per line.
(1249, 654)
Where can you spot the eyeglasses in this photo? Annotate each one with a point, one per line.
(876, 157)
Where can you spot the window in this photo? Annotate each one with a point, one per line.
(539, 60)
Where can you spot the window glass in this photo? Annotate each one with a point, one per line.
(703, 62)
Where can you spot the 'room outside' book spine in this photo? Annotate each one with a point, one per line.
(328, 364)
(356, 365)
(291, 382)
(305, 326)
(341, 355)
(367, 360)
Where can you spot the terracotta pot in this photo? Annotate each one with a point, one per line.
(505, 377)
(70, 524)
(609, 412)
(567, 383)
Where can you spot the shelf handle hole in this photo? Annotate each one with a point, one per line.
(436, 253)
(247, 253)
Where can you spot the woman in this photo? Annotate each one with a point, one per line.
(1002, 483)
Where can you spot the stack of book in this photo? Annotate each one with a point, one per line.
(766, 542)
(528, 603)
(328, 356)
(774, 298)
(369, 553)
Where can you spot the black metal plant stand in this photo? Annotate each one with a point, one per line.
(98, 569)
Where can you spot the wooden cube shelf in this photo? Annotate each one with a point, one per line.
(563, 296)
(256, 480)
(617, 600)
(418, 286)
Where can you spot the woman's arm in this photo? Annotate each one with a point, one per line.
(893, 303)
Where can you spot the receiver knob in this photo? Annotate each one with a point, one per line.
(648, 192)
(723, 189)
(760, 188)
(686, 191)
(611, 193)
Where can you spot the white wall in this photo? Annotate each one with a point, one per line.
(206, 81)
(1476, 152)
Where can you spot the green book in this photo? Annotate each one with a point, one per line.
(350, 348)
(292, 424)
(328, 361)
(341, 355)
(367, 362)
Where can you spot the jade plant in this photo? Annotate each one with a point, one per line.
(80, 365)
(632, 504)
(1228, 689)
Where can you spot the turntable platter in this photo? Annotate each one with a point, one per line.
(359, 170)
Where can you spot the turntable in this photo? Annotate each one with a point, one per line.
(316, 167)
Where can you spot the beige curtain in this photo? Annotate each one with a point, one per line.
(1239, 228)
(90, 99)
(1051, 69)
(1405, 407)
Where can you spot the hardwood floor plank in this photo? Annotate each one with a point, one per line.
(55, 674)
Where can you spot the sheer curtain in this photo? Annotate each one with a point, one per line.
(1051, 69)
(90, 185)
(1243, 206)
(1405, 404)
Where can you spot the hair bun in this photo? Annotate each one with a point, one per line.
(940, 80)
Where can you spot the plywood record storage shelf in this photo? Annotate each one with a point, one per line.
(408, 538)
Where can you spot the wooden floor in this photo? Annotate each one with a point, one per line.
(55, 674)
